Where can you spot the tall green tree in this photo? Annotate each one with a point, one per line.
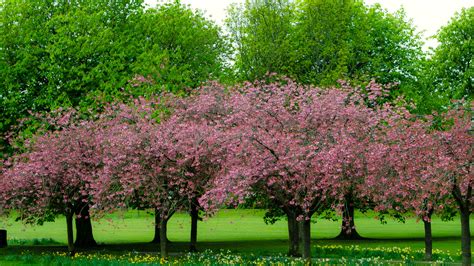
(61, 53)
(179, 47)
(261, 31)
(349, 40)
(82, 53)
(321, 41)
(449, 73)
(23, 42)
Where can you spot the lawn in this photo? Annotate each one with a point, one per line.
(241, 231)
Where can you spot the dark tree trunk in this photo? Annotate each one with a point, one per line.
(428, 240)
(348, 230)
(465, 236)
(194, 225)
(84, 236)
(3, 238)
(465, 209)
(157, 238)
(300, 237)
(306, 241)
(293, 235)
(70, 234)
(163, 237)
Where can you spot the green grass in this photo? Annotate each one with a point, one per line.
(241, 231)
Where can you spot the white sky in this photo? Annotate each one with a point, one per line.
(428, 15)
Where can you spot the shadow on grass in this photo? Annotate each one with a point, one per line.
(260, 247)
(263, 247)
(388, 239)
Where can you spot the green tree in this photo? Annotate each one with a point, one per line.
(449, 73)
(61, 53)
(179, 48)
(261, 31)
(82, 53)
(349, 40)
(23, 41)
(321, 41)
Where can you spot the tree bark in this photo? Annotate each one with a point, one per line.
(306, 226)
(84, 235)
(348, 230)
(156, 237)
(163, 237)
(70, 234)
(3, 238)
(465, 236)
(300, 237)
(293, 235)
(428, 239)
(194, 223)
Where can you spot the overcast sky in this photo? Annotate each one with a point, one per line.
(428, 15)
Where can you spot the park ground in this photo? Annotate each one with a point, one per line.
(229, 234)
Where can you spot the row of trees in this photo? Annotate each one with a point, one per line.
(84, 53)
(297, 149)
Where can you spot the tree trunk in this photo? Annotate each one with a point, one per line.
(306, 241)
(194, 223)
(70, 234)
(465, 236)
(300, 237)
(428, 240)
(84, 236)
(293, 235)
(163, 237)
(156, 237)
(348, 230)
(3, 238)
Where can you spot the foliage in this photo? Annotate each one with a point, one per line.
(295, 145)
(83, 54)
(261, 32)
(179, 48)
(449, 72)
(53, 177)
(318, 42)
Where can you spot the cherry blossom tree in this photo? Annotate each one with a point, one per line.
(53, 176)
(133, 164)
(164, 165)
(427, 171)
(193, 142)
(352, 145)
(403, 162)
(454, 167)
(286, 142)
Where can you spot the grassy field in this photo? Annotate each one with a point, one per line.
(241, 231)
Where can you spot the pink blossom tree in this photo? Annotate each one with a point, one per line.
(454, 167)
(193, 143)
(53, 176)
(285, 142)
(427, 171)
(351, 147)
(165, 165)
(403, 162)
(133, 165)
